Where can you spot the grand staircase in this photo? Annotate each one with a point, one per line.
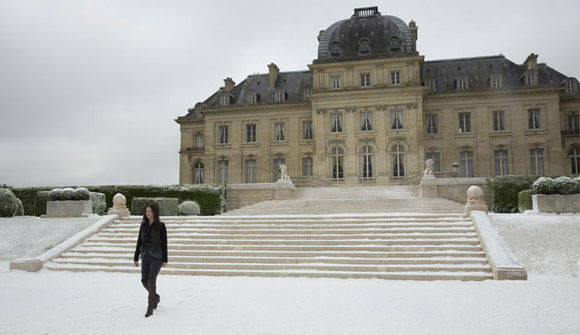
(342, 232)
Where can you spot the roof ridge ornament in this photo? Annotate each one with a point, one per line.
(366, 11)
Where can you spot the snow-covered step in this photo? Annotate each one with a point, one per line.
(185, 232)
(410, 275)
(281, 259)
(290, 266)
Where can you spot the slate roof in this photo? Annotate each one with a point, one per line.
(378, 29)
(479, 69)
(444, 72)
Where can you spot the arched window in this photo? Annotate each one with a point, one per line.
(574, 156)
(335, 49)
(336, 163)
(366, 159)
(364, 46)
(398, 161)
(198, 172)
(394, 43)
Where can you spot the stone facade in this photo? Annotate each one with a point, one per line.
(371, 110)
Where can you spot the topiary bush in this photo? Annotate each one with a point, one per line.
(8, 203)
(525, 200)
(560, 185)
(167, 206)
(188, 208)
(81, 193)
(209, 197)
(99, 202)
(19, 209)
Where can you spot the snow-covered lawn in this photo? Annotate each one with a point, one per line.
(29, 236)
(49, 302)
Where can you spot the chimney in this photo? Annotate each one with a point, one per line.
(531, 62)
(273, 71)
(413, 27)
(229, 84)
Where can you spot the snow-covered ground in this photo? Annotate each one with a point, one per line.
(29, 236)
(50, 302)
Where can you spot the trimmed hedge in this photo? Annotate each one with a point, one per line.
(525, 200)
(211, 198)
(167, 206)
(505, 189)
(99, 203)
(188, 208)
(561, 185)
(8, 203)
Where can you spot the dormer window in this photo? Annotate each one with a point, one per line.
(571, 86)
(280, 96)
(364, 46)
(495, 81)
(253, 97)
(432, 85)
(225, 99)
(462, 83)
(394, 44)
(335, 49)
(531, 78)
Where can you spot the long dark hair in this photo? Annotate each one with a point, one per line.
(155, 208)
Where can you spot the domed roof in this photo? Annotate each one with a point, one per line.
(367, 34)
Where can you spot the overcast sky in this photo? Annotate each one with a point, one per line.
(89, 89)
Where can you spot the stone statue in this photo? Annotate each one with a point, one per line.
(428, 168)
(284, 172)
(119, 206)
(475, 201)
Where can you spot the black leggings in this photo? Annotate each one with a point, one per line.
(150, 268)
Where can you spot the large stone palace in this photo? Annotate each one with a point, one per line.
(370, 109)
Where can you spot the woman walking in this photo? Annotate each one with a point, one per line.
(152, 247)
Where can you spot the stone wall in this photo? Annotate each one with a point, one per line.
(240, 195)
(454, 188)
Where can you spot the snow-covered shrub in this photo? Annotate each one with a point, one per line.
(188, 207)
(19, 209)
(167, 206)
(99, 203)
(8, 203)
(525, 200)
(81, 193)
(544, 185)
(68, 193)
(566, 185)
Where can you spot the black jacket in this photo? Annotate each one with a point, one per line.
(159, 233)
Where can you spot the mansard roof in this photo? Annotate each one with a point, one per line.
(479, 69)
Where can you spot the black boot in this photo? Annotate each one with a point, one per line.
(151, 298)
(157, 296)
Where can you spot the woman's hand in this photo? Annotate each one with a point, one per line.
(163, 264)
(136, 263)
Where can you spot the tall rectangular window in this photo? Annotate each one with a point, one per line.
(335, 80)
(500, 162)
(462, 83)
(395, 77)
(464, 122)
(223, 167)
(307, 129)
(574, 122)
(365, 79)
(366, 120)
(279, 131)
(397, 119)
(199, 141)
(432, 85)
(533, 118)
(495, 81)
(251, 171)
(223, 134)
(432, 123)
(307, 166)
(498, 120)
(466, 164)
(251, 133)
(336, 122)
(436, 157)
(536, 161)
